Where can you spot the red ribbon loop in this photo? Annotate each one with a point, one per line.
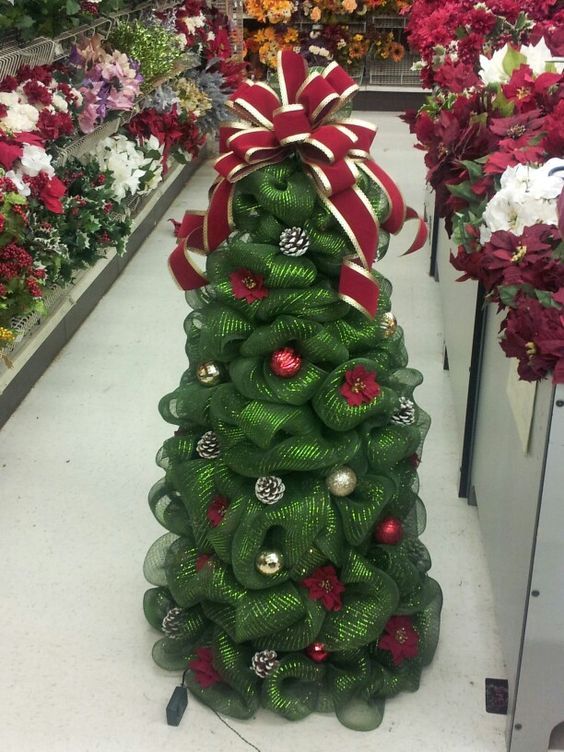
(291, 124)
(331, 152)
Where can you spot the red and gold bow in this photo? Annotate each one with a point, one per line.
(332, 152)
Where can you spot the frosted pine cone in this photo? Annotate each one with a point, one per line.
(294, 241)
(264, 663)
(208, 446)
(405, 414)
(173, 622)
(269, 489)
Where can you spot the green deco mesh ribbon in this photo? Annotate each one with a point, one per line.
(298, 429)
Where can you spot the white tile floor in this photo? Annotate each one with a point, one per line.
(76, 465)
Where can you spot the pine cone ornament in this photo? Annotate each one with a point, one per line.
(405, 414)
(264, 662)
(294, 241)
(173, 623)
(208, 446)
(269, 489)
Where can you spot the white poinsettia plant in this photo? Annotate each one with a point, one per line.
(498, 69)
(528, 196)
(135, 169)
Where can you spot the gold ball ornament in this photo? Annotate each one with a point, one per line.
(208, 374)
(388, 324)
(342, 481)
(269, 562)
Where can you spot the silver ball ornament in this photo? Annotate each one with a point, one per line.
(342, 481)
(208, 374)
(269, 562)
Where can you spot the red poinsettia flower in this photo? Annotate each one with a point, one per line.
(11, 147)
(216, 510)
(523, 259)
(203, 668)
(517, 126)
(535, 335)
(247, 285)
(520, 88)
(48, 190)
(324, 585)
(553, 142)
(400, 638)
(360, 386)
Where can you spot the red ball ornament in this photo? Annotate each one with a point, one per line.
(285, 362)
(388, 531)
(316, 651)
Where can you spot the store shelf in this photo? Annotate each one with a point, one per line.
(68, 306)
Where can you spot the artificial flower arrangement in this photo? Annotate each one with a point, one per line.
(493, 134)
(271, 11)
(266, 42)
(157, 51)
(55, 218)
(109, 81)
(21, 279)
(135, 169)
(35, 101)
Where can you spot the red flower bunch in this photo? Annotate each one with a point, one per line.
(360, 386)
(176, 132)
(49, 191)
(534, 334)
(246, 285)
(20, 282)
(400, 639)
(324, 585)
(217, 509)
(203, 668)
(454, 33)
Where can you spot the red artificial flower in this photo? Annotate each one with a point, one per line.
(535, 335)
(41, 73)
(37, 93)
(11, 147)
(246, 285)
(360, 386)
(203, 668)
(49, 191)
(33, 288)
(324, 585)
(516, 126)
(9, 83)
(456, 77)
(400, 639)
(2, 223)
(553, 141)
(53, 125)
(499, 161)
(217, 509)
(523, 260)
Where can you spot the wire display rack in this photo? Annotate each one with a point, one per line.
(86, 143)
(23, 326)
(389, 73)
(64, 42)
(13, 56)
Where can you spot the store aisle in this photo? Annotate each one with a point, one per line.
(77, 461)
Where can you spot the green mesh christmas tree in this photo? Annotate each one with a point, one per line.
(292, 576)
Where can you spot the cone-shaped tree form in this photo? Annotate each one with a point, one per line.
(292, 575)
